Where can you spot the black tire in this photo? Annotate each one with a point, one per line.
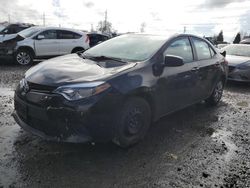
(216, 96)
(24, 57)
(132, 122)
(77, 50)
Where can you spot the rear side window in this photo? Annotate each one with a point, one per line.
(62, 34)
(182, 48)
(202, 49)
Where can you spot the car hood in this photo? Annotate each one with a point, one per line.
(72, 68)
(7, 37)
(236, 60)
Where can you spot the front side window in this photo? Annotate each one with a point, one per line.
(182, 48)
(202, 49)
(49, 34)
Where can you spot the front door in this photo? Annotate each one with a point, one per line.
(48, 45)
(177, 86)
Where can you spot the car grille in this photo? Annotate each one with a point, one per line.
(42, 88)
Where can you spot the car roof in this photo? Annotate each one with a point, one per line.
(168, 36)
(60, 28)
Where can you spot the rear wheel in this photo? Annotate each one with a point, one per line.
(77, 50)
(133, 122)
(216, 96)
(24, 57)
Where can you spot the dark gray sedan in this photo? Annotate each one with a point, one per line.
(238, 57)
(114, 90)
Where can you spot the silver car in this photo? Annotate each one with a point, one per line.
(238, 57)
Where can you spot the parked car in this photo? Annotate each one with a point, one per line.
(96, 38)
(245, 41)
(43, 42)
(114, 90)
(238, 57)
(9, 30)
(220, 46)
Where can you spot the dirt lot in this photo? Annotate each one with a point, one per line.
(196, 147)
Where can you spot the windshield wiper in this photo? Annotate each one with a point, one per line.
(102, 57)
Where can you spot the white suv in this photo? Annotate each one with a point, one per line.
(40, 42)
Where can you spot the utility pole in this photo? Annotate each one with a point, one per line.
(92, 28)
(43, 19)
(185, 29)
(105, 21)
(9, 17)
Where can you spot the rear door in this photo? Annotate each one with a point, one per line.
(177, 86)
(48, 46)
(68, 40)
(209, 66)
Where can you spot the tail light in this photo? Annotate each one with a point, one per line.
(87, 39)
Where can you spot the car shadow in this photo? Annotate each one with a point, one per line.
(239, 87)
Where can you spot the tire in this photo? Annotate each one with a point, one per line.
(132, 122)
(24, 57)
(216, 96)
(76, 50)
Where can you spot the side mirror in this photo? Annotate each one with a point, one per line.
(40, 37)
(173, 61)
(224, 53)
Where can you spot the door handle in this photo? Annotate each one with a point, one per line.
(195, 69)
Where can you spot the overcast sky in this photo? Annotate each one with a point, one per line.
(202, 17)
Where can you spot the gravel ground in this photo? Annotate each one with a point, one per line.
(196, 147)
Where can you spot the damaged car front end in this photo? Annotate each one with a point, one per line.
(72, 113)
(8, 46)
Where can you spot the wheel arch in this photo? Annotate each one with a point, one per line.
(28, 48)
(144, 93)
(78, 48)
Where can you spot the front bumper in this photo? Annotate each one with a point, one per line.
(240, 75)
(53, 118)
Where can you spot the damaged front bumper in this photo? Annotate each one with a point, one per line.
(53, 118)
(72, 139)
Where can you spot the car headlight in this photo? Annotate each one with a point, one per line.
(245, 65)
(80, 91)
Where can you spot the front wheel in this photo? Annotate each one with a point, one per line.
(132, 122)
(216, 96)
(23, 57)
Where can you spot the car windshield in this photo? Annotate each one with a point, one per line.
(29, 32)
(238, 50)
(2, 27)
(128, 47)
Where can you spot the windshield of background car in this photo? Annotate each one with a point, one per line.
(2, 28)
(238, 50)
(29, 32)
(128, 47)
